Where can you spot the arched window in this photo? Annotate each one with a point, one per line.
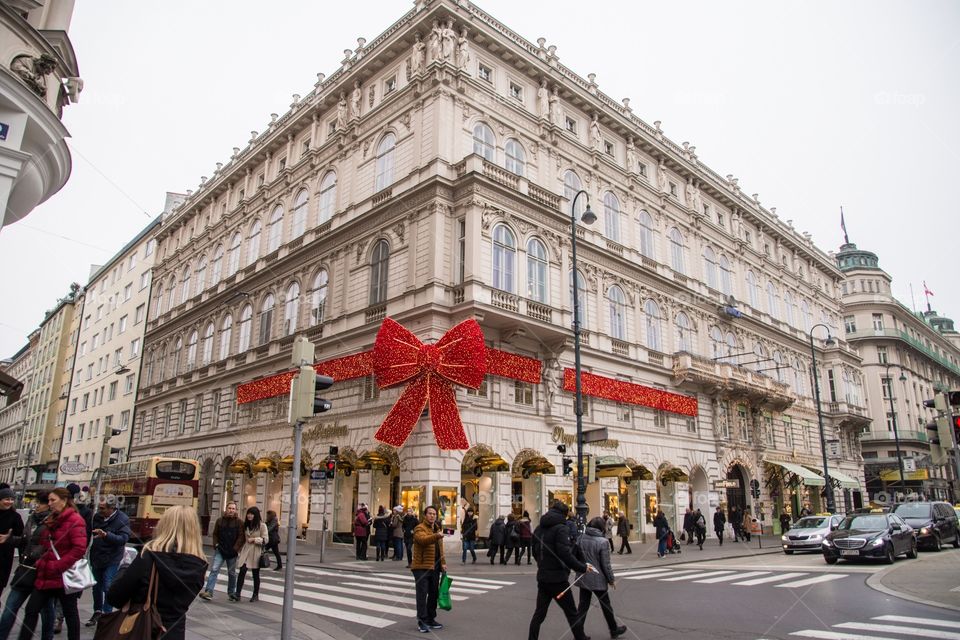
(171, 293)
(799, 378)
(753, 290)
(208, 344)
(676, 250)
(185, 284)
(299, 213)
(192, 350)
(504, 258)
(266, 319)
(484, 144)
(246, 328)
(717, 345)
(201, 276)
(806, 315)
(780, 366)
(216, 267)
(759, 357)
(581, 298)
(177, 352)
(710, 268)
(516, 158)
(646, 234)
(162, 363)
(572, 186)
(652, 311)
(318, 297)
(159, 306)
(253, 242)
(385, 162)
(328, 196)
(291, 309)
(233, 255)
(226, 336)
(726, 276)
(684, 342)
(148, 368)
(611, 216)
(789, 309)
(733, 349)
(773, 301)
(379, 272)
(536, 270)
(275, 229)
(618, 313)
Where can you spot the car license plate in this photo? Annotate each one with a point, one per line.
(849, 552)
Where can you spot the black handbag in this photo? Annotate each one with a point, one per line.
(133, 621)
(23, 577)
(264, 561)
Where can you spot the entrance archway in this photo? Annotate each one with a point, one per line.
(479, 478)
(699, 491)
(526, 485)
(737, 495)
(383, 463)
(672, 494)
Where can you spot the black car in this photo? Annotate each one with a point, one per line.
(934, 522)
(881, 536)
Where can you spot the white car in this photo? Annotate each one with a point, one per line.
(808, 532)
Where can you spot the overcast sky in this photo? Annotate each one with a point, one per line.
(813, 105)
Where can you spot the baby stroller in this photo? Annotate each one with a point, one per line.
(672, 545)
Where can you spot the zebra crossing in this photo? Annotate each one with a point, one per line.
(371, 599)
(886, 628)
(734, 577)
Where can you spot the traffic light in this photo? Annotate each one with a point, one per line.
(755, 488)
(115, 432)
(331, 468)
(114, 455)
(941, 440)
(304, 401)
(567, 466)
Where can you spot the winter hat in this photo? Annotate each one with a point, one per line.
(561, 506)
(398, 508)
(7, 492)
(73, 488)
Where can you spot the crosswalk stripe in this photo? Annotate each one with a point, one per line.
(932, 622)
(835, 635)
(366, 593)
(815, 580)
(403, 580)
(332, 599)
(693, 576)
(395, 589)
(504, 583)
(735, 576)
(637, 572)
(339, 614)
(909, 631)
(773, 578)
(660, 574)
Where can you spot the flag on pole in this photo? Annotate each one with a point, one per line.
(843, 225)
(926, 291)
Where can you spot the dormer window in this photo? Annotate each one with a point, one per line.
(608, 148)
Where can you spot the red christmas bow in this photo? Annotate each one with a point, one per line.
(458, 357)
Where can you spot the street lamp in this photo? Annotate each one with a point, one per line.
(588, 217)
(831, 505)
(893, 420)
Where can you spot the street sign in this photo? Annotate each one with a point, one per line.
(909, 465)
(726, 484)
(833, 448)
(73, 466)
(318, 474)
(595, 435)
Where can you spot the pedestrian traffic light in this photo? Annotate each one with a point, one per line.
(567, 466)
(304, 401)
(941, 438)
(331, 468)
(953, 398)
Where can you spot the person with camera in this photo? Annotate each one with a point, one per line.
(110, 530)
(427, 566)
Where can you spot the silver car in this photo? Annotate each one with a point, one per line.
(808, 532)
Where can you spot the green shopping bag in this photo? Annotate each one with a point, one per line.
(443, 598)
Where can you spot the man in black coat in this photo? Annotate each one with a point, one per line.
(719, 520)
(110, 533)
(11, 534)
(688, 525)
(554, 553)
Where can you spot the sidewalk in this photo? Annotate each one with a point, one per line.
(930, 579)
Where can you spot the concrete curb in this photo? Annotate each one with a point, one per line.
(875, 582)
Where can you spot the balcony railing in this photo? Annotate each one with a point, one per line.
(903, 434)
(502, 176)
(539, 311)
(620, 348)
(504, 300)
(906, 337)
(731, 380)
(375, 314)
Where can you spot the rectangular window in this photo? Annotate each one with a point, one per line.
(80, 431)
(788, 433)
(886, 385)
(73, 406)
(522, 393)
(673, 189)
(389, 85)
(890, 419)
(571, 125)
(197, 412)
(479, 392)
(281, 165)
(215, 410)
(768, 430)
(461, 250)
(623, 412)
(878, 321)
(69, 434)
(832, 384)
(182, 417)
(139, 313)
(134, 348)
(125, 419)
(112, 394)
(608, 148)
(127, 292)
(260, 180)
(516, 91)
(144, 280)
(882, 355)
(332, 127)
(304, 148)
(850, 324)
(484, 72)
(128, 384)
(123, 324)
(660, 420)
(86, 401)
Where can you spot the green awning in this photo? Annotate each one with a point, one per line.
(809, 477)
(845, 481)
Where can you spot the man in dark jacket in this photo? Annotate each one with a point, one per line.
(498, 535)
(11, 533)
(554, 553)
(410, 522)
(227, 538)
(719, 520)
(110, 532)
(688, 525)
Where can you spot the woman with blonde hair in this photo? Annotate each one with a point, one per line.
(176, 551)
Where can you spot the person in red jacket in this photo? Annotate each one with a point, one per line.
(67, 533)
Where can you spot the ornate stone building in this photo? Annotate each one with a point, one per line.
(111, 326)
(907, 358)
(13, 409)
(430, 179)
(38, 77)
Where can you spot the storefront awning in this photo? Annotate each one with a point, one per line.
(809, 477)
(845, 481)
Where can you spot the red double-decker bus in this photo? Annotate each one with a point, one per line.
(144, 489)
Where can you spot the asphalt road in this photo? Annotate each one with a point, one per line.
(769, 596)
